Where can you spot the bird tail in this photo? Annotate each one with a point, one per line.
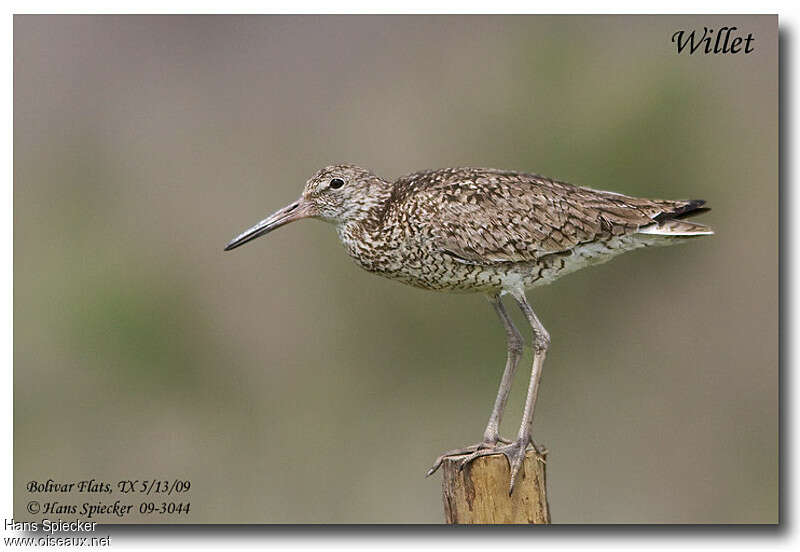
(671, 223)
(676, 228)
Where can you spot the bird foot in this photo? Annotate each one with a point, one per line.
(471, 449)
(515, 454)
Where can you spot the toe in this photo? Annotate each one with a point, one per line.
(433, 468)
(516, 464)
(449, 453)
(476, 454)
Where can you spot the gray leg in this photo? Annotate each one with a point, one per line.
(514, 346)
(491, 435)
(541, 342)
(515, 452)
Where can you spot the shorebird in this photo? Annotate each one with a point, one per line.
(489, 231)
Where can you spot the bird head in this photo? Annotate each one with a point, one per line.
(336, 194)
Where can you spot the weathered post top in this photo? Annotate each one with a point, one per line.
(479, 492)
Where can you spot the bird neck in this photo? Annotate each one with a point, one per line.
(362, 230)
(369, 212)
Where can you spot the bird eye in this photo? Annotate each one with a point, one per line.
(337, 183)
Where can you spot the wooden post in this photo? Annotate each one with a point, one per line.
(479, 493)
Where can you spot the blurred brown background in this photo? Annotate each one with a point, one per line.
(290, 386)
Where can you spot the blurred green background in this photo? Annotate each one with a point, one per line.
(290, 386)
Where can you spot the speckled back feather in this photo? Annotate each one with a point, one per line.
(494, 216)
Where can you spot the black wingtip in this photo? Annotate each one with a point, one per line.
(691, 208)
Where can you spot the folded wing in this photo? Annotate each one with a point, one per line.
(500, 217)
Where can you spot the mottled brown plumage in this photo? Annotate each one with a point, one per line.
(483, 230)
(490, 216)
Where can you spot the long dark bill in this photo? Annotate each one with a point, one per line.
(277, 219)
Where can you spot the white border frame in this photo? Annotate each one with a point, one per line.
(365, 538)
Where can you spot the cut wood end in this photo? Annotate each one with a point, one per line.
(479, 492)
